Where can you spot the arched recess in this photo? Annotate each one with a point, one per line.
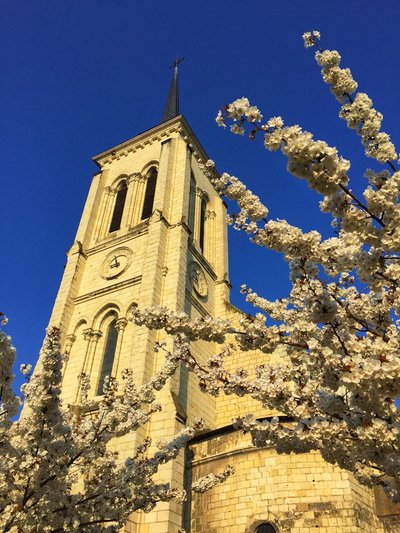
(123, 176)
(80, 325)
(102, 314)
(129, 310)
(148, 166)
(265, 522)
(119, 204)
(151, 183)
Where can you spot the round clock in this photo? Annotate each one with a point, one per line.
(116, 263)
(198, 279)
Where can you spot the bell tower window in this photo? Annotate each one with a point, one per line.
(192, 205)
(118, 207)
(109, 354)
(150, 193)
(203, 208)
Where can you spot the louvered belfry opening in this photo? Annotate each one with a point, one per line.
(150, 193)
(119, 207)
(202, 222)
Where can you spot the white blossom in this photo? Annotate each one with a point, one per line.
(328, 350)
(237, 130)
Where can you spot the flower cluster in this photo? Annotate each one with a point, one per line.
(310, 38)
(362, 117)
(340, 79)
(251, 208)
(357, 112)
(211, 480)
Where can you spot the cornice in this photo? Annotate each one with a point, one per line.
(159, 133)
(106, 290)
(110, 242)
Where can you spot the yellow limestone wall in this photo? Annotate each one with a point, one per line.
(296, 493)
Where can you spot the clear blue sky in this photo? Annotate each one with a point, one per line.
(79, 77)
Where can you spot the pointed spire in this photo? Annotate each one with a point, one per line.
(171, 109)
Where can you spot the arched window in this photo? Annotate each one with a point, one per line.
(192, 204)
(109, 354)
(203, 209)
(265, 528)
(150, 193)
(118, 207)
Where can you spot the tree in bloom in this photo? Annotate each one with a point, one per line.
(58, 471)
(339, 376)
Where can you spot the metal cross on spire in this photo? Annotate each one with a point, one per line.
(176, 62)
(171, 108)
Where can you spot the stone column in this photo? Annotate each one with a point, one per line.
(106, 206)
(133, 183)
(139, 198)
(91, 337)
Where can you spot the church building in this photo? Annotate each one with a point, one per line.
(153, 232)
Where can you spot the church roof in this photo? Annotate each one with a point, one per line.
(152, 135)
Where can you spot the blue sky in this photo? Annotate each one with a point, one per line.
(80, 77)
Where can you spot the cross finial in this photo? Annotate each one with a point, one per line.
(176, 62)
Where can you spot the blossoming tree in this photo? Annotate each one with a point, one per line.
(58, 471)
(339, 325)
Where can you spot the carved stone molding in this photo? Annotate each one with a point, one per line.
(136, 176)
(135, 231)
(105, 290)
(69, 341)
(96, 335)
(87, 334)
(131, 146)
(199, 192)
(120, 324)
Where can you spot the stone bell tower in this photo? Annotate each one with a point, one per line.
(152, 232)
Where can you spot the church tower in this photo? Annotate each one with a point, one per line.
(153, 232)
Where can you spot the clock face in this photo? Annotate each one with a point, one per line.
(116, 263)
